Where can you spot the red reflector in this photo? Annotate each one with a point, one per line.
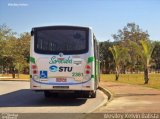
(34, 71)
(34, 66)
(88, 67)
(87, 72)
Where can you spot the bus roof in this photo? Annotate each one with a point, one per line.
(73, 26)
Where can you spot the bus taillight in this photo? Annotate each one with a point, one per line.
(88, 69)
(34, 67)
(87, 72)
(34, 71)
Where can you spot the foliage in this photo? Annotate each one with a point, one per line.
(146, 52)
(120, 55)
(138, 49)
(130, 37)
(132, 32)
(14, 52)
(156, 57)
(106, 57)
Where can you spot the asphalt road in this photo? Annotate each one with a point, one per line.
(16, 97)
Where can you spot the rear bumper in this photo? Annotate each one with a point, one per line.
(79, 86)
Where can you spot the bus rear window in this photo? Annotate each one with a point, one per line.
(59, 40)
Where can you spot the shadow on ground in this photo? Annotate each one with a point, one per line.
(28, 98)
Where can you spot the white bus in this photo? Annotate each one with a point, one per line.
(64, 59)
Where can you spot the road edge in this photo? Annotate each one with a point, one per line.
(106, 100)
(107, 92)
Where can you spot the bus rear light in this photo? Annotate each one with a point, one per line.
(87, 72)
(34, 67)
(34, 71)
(88, 67)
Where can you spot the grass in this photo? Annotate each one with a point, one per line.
(136, 79)
(24, 76)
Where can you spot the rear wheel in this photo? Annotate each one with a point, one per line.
(89, 94)
(93, 94)
(47, 94)
(86, 95)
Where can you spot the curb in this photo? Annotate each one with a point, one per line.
(110, 98)
(107, 92)
(109, 95)
(101, 104)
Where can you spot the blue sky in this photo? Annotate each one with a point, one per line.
(104, 16)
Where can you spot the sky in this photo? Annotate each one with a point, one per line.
(106, 17)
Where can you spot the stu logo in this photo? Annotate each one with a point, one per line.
(65, 69)
(53, 68)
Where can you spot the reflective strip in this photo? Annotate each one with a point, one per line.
(54, 83)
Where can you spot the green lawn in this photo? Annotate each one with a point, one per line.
(24, 76)
(137, 79)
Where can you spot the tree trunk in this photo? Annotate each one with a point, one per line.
(124, 69)
(13, 73)
(146, 79)
(18, 71)
(117, 74)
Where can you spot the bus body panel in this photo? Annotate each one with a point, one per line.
(67, 72)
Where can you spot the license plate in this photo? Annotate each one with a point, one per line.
(61, 80)
(61, 87)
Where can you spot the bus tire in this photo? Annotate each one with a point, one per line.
(47, 94)
(93, 94)
(86, 94)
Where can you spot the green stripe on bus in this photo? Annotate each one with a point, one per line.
(92, 76)
(90, 59)
(32, 60)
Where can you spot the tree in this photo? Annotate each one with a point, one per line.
(14, 52)
(146, 52)
(131, 32)
(23, 48)
(106, 57)
(120, 56)
(6, 60)
(156, 57)
(135, 62)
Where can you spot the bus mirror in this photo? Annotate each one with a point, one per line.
(32, 33)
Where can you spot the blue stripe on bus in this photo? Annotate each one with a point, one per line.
(61, 83)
